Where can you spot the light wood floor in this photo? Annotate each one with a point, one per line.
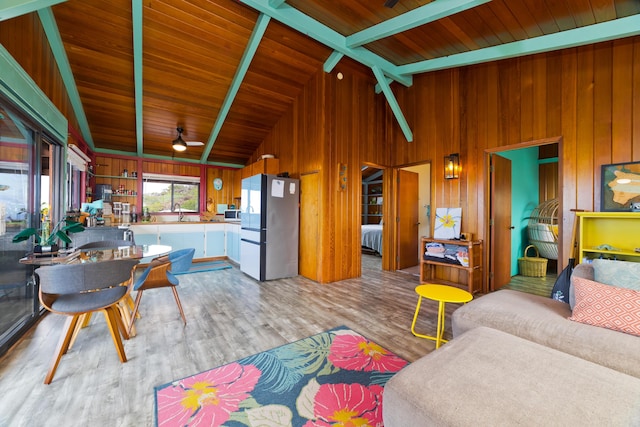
(229, 316)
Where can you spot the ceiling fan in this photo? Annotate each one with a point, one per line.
(390, 3)
(180, 144)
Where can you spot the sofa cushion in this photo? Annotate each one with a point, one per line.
(488, 377)
(606, 306)
(622, 274)
(545, 321)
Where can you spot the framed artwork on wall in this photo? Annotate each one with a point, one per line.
(620, 189)
(447, 224)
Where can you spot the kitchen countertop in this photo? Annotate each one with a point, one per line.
(184, 222)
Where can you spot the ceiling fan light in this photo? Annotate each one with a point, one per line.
(179, 144)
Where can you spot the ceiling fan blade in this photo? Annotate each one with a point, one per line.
(194, 143)
(390, 3)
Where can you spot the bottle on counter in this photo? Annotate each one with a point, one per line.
(146, 217)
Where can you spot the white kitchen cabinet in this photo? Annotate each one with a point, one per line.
(215, 245)
(182, 236)
(209, 239)
(233, 242)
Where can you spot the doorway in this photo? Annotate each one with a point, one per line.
(371, 217)
(521, 178)
(407, 208)
(414, 215)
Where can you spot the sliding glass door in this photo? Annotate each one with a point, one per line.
(20, 183)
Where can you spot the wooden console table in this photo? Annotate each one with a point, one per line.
(428, 264)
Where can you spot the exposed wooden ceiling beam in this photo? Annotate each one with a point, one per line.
(327, 36)
(419, 16)
(393, 103)
(13, 8)
(136, 15)
(596, 33)
(19, 88)
(332, 61)
(241, 71)
(60, 55)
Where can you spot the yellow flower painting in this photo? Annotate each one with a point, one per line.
(447, 224)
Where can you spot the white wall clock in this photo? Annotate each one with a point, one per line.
(217, 184)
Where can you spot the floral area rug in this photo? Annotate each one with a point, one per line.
(335, 378)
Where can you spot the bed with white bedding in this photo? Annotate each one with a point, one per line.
(372, 237)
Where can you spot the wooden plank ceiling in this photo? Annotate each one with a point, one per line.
(192, 52)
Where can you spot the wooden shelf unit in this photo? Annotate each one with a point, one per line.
(372, 202)
(619, 230)
(111, 171)
(116, 177)
(474, 270)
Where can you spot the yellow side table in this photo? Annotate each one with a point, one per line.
(442, 294)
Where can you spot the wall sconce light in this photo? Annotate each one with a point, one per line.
(452, 166)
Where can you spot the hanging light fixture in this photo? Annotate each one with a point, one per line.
(452, 166)
(178, 143)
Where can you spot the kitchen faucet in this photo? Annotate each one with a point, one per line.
(179, 209)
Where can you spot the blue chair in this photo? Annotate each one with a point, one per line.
(160, 274)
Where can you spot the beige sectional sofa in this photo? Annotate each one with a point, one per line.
(516, 359)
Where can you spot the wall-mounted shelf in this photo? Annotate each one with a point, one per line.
(110, 171)
(617, 230)
(116, 177)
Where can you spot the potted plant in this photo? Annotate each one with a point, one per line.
(47, 241)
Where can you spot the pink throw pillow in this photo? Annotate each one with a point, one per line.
(606, 306)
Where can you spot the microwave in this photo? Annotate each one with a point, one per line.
(232, 215)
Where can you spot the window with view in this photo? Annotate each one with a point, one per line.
(167, 193)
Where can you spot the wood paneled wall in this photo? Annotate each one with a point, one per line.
(333, 122)
(25, 40)
(354, 131)
(298, 141)
(230, 192)
(170, 168)
(589, 96)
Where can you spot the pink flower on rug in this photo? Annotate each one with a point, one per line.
(356, 353)
(347, 405)
(207, 398)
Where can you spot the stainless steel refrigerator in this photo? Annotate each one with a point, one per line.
(269, 221)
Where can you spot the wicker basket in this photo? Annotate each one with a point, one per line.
(532, 266)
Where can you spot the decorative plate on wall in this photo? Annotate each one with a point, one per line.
(217, 184)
